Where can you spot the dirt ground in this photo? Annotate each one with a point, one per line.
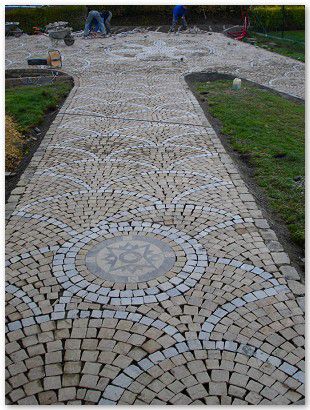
(215, 25)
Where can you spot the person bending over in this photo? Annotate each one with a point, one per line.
(179, 12)
(99, 22)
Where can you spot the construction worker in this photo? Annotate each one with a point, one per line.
(107, 16)
(98, 21)
(179, 11)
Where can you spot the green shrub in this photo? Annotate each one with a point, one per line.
(270, 18)
(40, 17)
(153, 11)
(122, 15)
(263, 18)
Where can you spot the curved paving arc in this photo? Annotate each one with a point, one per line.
(131, 155)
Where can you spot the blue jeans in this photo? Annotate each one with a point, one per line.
(107, 22)
(94, 17)
(175, 21)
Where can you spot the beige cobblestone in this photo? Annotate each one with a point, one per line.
(132, 176)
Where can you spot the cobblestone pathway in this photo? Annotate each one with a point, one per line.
(139, 269)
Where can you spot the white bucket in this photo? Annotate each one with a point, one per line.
(236, 84)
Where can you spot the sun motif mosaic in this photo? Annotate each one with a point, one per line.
(130, 259)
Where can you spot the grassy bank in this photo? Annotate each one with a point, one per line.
(269, 131)
(292, 45)
(28, 105)
(26, 108)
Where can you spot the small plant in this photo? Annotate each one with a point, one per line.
(13, 145)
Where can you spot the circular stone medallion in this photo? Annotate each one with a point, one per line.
(130, 258)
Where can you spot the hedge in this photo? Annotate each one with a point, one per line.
(41, 16)
(122, 15)
(263, 18)
(270, 18)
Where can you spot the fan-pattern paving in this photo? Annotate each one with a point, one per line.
(132, 178)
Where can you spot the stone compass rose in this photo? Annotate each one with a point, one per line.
(131, 258)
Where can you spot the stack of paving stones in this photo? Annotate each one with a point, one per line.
(139, 269)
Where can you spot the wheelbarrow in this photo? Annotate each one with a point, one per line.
(60, 31)
(12, 29)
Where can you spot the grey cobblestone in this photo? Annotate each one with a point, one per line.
(131, 159)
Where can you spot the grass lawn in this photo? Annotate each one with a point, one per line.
(297, 35)
(25, 109)
(28, 105)
(270, 130)
(294, 49)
